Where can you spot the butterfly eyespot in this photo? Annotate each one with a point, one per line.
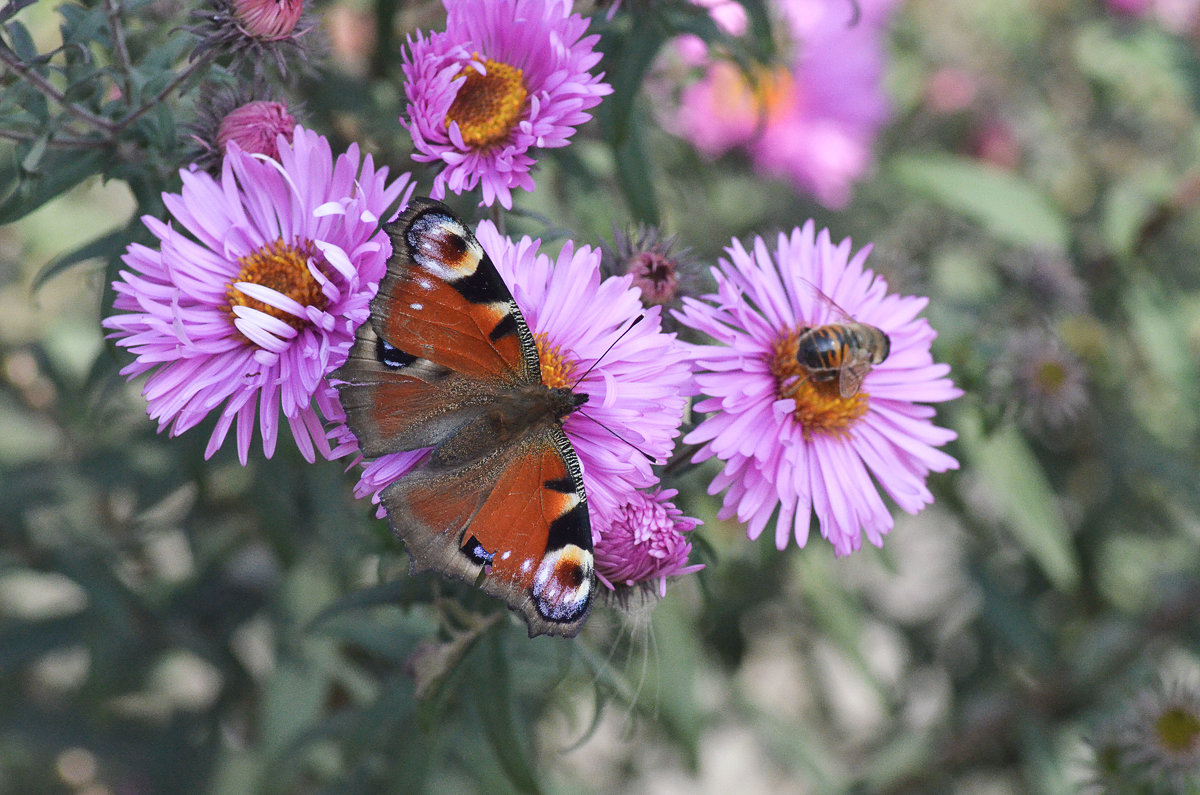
(475, 551)
(562, 586)
(391, 356)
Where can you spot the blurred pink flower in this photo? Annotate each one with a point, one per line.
(811, 120)
(1180, 17)
(1131, 7)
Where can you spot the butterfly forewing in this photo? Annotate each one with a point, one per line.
(443, 300)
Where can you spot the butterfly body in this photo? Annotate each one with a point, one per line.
(447, 362)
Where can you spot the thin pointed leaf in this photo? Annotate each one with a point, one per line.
(1005, 462)
(1011, 208)
(494, 701)
(109, 245)
(635, 177)
(61, 171)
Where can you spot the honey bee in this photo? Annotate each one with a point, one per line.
(845, 350)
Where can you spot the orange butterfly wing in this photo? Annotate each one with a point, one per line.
(447, 361)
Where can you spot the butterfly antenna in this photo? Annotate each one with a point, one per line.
(579, 380)
(645, 455)
(628, 329)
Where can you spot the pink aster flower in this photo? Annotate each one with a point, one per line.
(793, 442)
(638, 390)
(247, 312)
(644, 541)
(245, 115)
(503, 80)
(1176, 16)
(811, 120)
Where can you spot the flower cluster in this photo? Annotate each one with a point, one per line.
(812, 119)
(252, 295)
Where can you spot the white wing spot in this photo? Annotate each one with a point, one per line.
(416, 307)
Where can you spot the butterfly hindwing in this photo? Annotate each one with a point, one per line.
(519, 515)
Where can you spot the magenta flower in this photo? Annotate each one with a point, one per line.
(245, 115)
(250, 312)
(638, 390)
(502, 81)
(811, 120)
(794, 443)
(256, 128)
(644, 541)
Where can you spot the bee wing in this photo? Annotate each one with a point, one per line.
(824, 298)
(853, 371)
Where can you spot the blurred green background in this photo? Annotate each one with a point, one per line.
(169, 624)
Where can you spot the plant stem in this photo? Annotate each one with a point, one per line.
(57, 142)
(14, 62)
(120, 49)
(191, 69)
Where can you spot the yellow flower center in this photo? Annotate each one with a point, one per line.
(557, 369)
(1178, 730)
(1051, 375)
(820, 407)
(769, 97)
(284, 268)
(488, 106)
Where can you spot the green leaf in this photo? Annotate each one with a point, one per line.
(388, 593)
(1011, 208)
(635, 176)
(494, 701)
(626, 59)
(33, 158)
(1005, 462)
(60, 172)
(109, 245)
(22, 42)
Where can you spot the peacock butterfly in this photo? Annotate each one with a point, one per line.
(447, 361)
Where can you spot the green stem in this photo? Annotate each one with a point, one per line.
(14, 62)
